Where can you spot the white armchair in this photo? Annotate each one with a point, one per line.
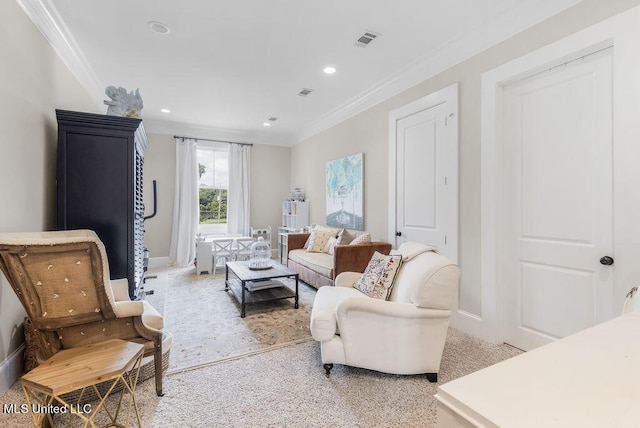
(402, 335)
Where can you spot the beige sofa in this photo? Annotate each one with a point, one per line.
(320, 268)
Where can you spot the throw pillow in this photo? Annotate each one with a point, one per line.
(328, 248)
(378, 277)
(312, 231)
(345, 237)
(365, 238)
(319, 240)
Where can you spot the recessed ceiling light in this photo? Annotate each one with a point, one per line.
(158, 27)
(266, 124)
(165, 110)
(329, 70)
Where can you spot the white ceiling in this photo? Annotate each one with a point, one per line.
(228, 66)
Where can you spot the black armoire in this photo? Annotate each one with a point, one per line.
(99, 187)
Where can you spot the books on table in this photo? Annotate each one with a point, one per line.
(263, 284)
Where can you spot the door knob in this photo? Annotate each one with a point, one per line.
(398, 233)
(606, 260)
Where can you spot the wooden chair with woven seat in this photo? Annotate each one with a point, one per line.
(62, 280)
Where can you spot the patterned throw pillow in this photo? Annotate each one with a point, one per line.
(365, 238)
(312, 230)
(318, 241)
(378, 277)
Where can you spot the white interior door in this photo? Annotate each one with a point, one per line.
(425, 146)
(558, 186)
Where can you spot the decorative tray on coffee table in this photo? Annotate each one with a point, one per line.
(270, 266)
(260, 267)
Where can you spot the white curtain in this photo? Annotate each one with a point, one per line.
(185, 208)
(238, 222)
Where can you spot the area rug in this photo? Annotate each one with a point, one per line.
(205, 321)
(286, 387)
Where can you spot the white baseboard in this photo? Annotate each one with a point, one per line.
(470, 324)
(11, 369)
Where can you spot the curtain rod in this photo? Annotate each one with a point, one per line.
(212, 141)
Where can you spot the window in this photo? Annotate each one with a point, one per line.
(213, 183)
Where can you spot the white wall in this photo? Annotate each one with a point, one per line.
(270, 170)
(368, 132)
(159, 165)
(33, 83)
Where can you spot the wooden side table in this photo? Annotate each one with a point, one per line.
(79, 368)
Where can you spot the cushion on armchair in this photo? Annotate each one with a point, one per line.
(323, 319)
(151, 317)
(378, 277)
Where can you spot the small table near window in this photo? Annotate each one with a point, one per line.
(248, 279)
(205, 252)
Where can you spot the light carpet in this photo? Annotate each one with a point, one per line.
(205, 321)
(286, 387)
(263, 378)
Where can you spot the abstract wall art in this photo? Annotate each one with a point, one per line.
(345, 204)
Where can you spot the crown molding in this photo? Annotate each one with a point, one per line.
(45, 17)
(530, 12)
(499, 29)
(154, 126)
(47, 20)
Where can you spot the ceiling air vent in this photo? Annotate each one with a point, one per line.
(304, 92)
(366, 38)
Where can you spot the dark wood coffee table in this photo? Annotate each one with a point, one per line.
(239, 285)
